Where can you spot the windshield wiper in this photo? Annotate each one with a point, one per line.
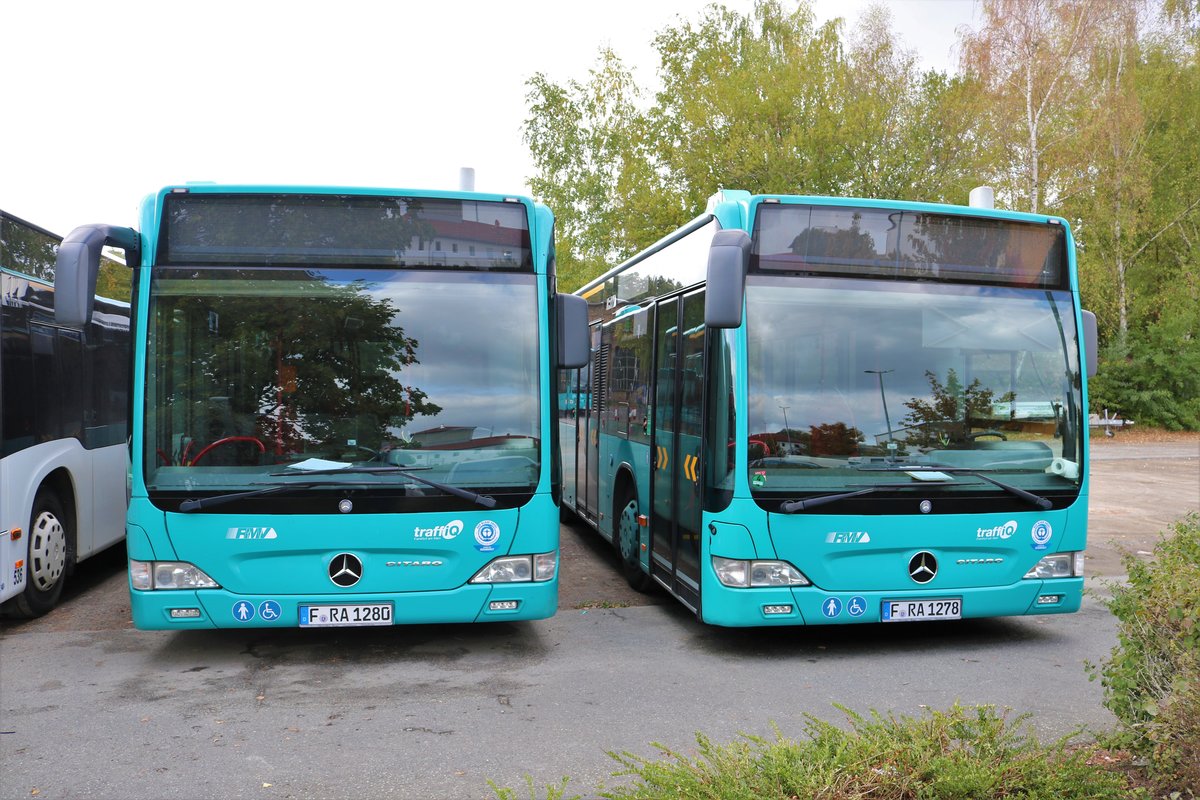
(221, 499)
(1029, 497)
(487, 501)
(792, 506)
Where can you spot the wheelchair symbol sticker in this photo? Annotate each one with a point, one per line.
(269, 610)
(856, 606)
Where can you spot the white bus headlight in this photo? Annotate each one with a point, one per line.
(519, 569)
(742, 574)
(1059, 565)
(147, 575)
(510, 569)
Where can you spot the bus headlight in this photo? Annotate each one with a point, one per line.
(545, 566)
(1059, 565)
(149, 575)
(740, 574)
(519, 569)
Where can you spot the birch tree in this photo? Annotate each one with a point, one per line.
(1031, 55)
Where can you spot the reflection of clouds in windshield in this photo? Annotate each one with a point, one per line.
(476, 352)
(492, 412)
(816, 353)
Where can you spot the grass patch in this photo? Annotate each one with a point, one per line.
(588, 605)
(963, 753)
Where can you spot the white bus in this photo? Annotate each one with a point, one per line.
(64, 396)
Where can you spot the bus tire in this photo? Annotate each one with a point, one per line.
(48, 553)
(628, 543)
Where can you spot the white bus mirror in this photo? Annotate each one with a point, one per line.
(573, 347)
(78, 265)
(1091, 345)
(728, 260)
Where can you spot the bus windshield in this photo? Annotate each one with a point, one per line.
(253, 369)
(862, 383)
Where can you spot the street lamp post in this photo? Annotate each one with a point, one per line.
(786, 431)
(886, 420)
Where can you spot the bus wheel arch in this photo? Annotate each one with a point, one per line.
(50, 548)
(626, 533)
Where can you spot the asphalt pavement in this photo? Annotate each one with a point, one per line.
(431, 712)
(91, 708)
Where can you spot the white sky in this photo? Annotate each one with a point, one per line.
(105, 102)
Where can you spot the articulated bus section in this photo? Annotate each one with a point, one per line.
(878, 432)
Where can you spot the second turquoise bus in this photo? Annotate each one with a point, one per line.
(826, 410)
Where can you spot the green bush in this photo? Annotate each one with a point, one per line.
(1152, 679)
(1153, 378)
(963, 753)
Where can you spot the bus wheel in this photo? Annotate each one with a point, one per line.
(629, 544)
(46, 560)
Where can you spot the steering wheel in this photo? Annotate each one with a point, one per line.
(974, 436)
(262, 448)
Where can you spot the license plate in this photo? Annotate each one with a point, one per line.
(919, 610)
(337, 616)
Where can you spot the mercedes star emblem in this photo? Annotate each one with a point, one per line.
(345, 570)
(922, 567)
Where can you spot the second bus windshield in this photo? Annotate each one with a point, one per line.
(851, 373)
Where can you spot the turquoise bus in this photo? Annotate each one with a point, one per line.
(810, 410)
(343, 411)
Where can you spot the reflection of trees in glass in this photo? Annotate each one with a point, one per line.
(851, 243)
(834, 439)
(826, 439)
(1017, 252)
(658, 285)
(319, 364)
(292, 224)
(114, 280)
(948, 416)
(634, 287)
(27, 250)
(35, 252)
(932, 240)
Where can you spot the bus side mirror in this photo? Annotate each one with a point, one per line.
(573, 347)
(728, 261)
(77, 267)
(1091, 346)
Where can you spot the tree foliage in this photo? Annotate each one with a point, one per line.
(768, 101)
(951, 413)
(336, 352)
(1086, 109)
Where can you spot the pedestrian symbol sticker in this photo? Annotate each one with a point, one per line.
(243, 611)
(857, 606)
(831, 607)
(268, 610)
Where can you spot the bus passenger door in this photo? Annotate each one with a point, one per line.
(589, 428)
(568, 433)
(679, 392)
